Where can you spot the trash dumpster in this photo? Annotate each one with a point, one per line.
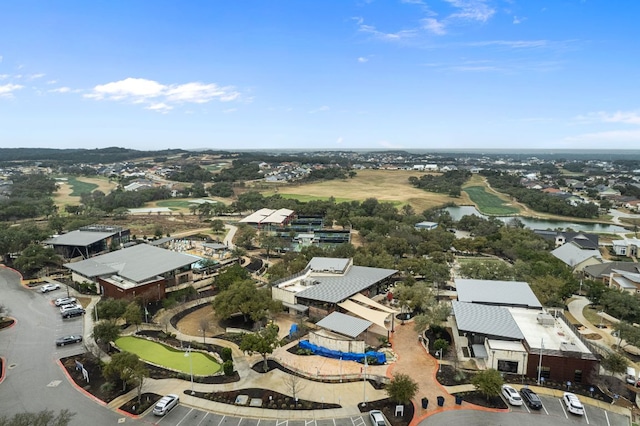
(440, 401)
(458, 400)
(425, 403)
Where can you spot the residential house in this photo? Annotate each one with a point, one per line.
(577, 257)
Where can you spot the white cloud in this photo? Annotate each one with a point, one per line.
(434, 26)
(517, 20)
(472, 10)
(52, 81)
(4, 76)
(8, 89)
(514, 44)
(412, 1)
(161, 97)
(321, 109)
(400, 35)
(362, 59)
(340, 140)
(60, 90)
(35, 76)
(626, 117)
(229, 110)
(613, 136)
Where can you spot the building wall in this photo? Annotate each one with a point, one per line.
(356, 346)
(150, 292)
(563, 369)
(497, 358)
(283, 295)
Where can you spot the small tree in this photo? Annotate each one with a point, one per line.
(106, 331)
(488, 382)
(204, 327)
(614, 363)
(217, 226)
(127, 367)
(402, 388)
(226, 354)
(133, 314)
(441, 345)
(41, 418)
(294, 385)
(262, 342)
(227, 367)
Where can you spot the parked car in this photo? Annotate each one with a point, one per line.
(377, 418)
(573, 404)
(531, 398)
(68, 339)
(631, 376)
(71, 313)
(61, 301)
(49, 287)
(166, 404)
(65, 308)
(511, 395)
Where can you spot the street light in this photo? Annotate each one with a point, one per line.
(540, 360)
(188, 353)
(439, 354)
(364, 382)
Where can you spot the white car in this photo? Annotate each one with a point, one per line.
(377, 418)
(166, 404)
(49, 287)
(511, 395)
(573, 404)
(69, 307)
(65, 301)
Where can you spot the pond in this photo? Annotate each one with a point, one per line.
(533, 223)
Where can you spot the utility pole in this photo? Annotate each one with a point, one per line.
(540, 360)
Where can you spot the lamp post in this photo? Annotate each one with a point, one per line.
(188, 353)
(540, 360)
(524, 356)
(364, 382)
(439, 355)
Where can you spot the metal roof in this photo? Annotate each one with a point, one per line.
(487, 320)
(268, 216)
(344, 324)
(138, 263)
(79, 238)
(571, 254)
(604, 269)
(328, 264)
(488, 292)
(334, 289)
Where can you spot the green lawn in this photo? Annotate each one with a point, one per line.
(488, 203)
(79, 187)
(203, 365)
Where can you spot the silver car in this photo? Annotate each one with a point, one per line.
(377, 418)
(166, 404)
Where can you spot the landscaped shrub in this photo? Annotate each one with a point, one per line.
(226, 354)
(227, 367)
(441, 345)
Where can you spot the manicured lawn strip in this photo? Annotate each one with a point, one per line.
(488, 203)
(156, 353)
(176, 204)
(80, 187)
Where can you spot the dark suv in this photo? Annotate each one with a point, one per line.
(72, 313)
(531, 398)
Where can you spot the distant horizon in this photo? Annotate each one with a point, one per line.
(362, 74)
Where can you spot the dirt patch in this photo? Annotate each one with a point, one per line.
(592, 336)
(481, 400)
(270, 399)
(192, 323)
(97, 384)
(147, 401)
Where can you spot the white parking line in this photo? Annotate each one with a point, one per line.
(585, 415)
(563, 410)
(221, 420)
(309, 422)
(205, 416)
(544, 408)
(283, 422)
(185, 416)
(355, 421)
(526, 407)
(606, 416)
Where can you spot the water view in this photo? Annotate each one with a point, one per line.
(534, 223)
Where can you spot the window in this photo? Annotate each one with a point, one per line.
(507, 366)
(545, 372)
(577, 376)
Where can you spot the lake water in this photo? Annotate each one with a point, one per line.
(457, 213)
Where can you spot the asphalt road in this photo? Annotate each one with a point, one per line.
(34, 381)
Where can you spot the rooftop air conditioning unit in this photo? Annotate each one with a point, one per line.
(545, 319)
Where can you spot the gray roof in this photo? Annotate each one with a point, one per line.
(486, 320)
(571, 254)
(488, 292)
(604, 269)
(335, 289)
(344, 324)
(326, 264)
(79, 238)
(138, 263)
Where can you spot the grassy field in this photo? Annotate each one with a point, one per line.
(385, 185)
(163, 355)
(489, 203)
(175, 204)
(79, 187)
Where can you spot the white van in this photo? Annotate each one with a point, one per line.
(631, 376)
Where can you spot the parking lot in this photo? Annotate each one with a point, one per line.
(64, 327)
(182, 415)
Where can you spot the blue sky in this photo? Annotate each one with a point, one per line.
(404, 74)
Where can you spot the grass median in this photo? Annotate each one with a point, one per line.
(175, 359)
